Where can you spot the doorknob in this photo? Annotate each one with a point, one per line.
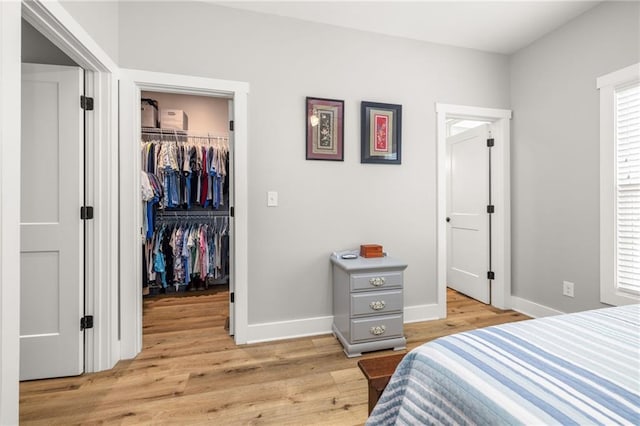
(448, 219)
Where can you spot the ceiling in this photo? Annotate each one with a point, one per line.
(492, 26)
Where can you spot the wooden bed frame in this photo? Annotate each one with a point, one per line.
(378, 371)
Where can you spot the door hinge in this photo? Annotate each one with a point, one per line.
(490, 142)
(231, 125)
(86, 212)
(491, 275)
(232, 211)
(491, 208)
(232, 297)
(86, 103)
(86, 322)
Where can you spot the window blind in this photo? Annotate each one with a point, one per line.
(628, 188)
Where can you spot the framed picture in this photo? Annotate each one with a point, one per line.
(381, 133)
(325, 129)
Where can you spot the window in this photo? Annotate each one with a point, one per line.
(620, 186)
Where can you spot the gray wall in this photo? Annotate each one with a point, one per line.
(324, 206)
(37, 49)
(100, 20)
(555, 153)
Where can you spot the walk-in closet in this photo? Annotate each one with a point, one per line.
(185, 183)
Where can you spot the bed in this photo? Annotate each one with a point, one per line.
(581, 368)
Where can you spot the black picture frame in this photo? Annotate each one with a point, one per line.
(381, 133)
(324, 121)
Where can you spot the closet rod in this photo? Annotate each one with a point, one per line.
(154, 131)
(190, 214)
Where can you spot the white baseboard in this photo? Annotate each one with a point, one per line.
(279, 330)
(532, 309)
(421, 313)
(291, 329)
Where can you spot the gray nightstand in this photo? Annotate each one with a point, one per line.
(368, 304)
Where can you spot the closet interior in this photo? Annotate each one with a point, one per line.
(185, 180)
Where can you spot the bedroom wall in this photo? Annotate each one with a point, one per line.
(100, 20)
(324, 206)
(555, 153)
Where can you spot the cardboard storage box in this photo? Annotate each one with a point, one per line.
(173, 119)
(371, 250)
(149, 113)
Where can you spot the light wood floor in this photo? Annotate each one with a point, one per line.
(191, 372)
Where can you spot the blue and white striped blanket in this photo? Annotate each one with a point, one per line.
(573, 369)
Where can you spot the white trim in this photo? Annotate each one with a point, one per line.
(51, 19)
(607, 84)
(501, 229)
(280, 330)
(291, 329)
(532, 309)
(472, 113)
(421, 313)
(10, 78)
(131, 85)
(616, 78)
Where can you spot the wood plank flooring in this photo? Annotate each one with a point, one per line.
(190, 372)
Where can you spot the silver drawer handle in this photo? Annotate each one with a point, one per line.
(377, 281)
(377, 305)
(378, 331)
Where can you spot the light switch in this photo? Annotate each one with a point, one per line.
(272, 199)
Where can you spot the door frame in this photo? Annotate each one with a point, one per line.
(501, 198)
(101, 191)
(101, 342)
(132, 83)
(10, 77)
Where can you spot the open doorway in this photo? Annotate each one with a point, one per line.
(160, 88)
(495, 125)
(187, 181)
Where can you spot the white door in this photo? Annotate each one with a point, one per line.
(230, 176)
(468, 249)
(51, 238)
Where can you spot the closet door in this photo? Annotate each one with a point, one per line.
(51, 239)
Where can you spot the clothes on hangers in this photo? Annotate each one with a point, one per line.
(191, 173)
(181, 252)
(151, 191)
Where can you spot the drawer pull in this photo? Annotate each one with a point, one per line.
(377, 305)
(377, 281)
(378, 331)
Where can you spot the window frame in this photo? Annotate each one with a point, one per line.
(607, 84)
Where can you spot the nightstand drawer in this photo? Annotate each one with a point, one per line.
(376, 280)
(373, 328)
(376, 302)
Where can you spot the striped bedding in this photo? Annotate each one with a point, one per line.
(573, 369)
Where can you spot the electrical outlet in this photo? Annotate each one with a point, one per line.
(567, 288)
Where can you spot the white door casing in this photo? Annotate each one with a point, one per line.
(53, 21)
(467, 219)
(51, 257)
(132, 82)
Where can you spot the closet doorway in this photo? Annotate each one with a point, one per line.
(460, 118)
(186, 195)
(218, 216)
